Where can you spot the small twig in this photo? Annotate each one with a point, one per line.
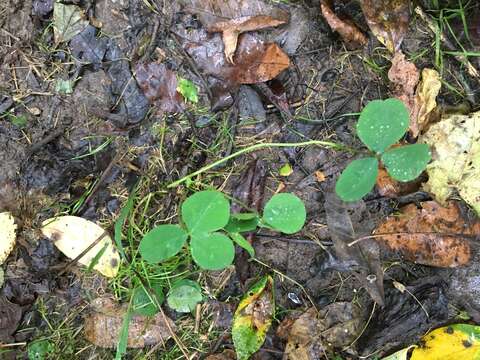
(100, 182)
(198, 313)
(52, 136)
(409, 233)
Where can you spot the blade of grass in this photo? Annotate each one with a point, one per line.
(121, 220)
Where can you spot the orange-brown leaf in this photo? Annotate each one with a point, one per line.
(431, 235)
(350, 33)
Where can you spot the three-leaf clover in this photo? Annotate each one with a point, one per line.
(382, 123)
(212, 231)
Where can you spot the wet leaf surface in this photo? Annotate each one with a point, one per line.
(102, 327)
(455, 144)
(159, 84)
(431, 235)
(388, 20)
(350, 33)
(364, 257)
(407, 316)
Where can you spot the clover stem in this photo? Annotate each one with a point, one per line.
(255, 147)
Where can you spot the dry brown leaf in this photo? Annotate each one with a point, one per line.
(159, 84)
(350, 33)
(233, 17)
(391, 188)
(231, 29)
(257, 62)
(432, 235)
(388, 20)
(103, 326)
(421, 102)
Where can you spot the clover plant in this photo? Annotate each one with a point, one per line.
(382, 123)
(212, 230)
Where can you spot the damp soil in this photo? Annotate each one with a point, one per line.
(49, 162)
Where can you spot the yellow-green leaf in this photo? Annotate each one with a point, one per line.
(253, 318)
(454, 342)
(285, 170)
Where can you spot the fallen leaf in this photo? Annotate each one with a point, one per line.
(425, 100)
(457, 341)
(159, 84)
(231, 29)
(314, 333)
(391, 188)
(421, 101)
(455, 147)
(388, 20)
(103, 326)
(404, 76)
(432, 235)
(350, 33)
(253, 318)
(68, 21)
(320, 176)
(72, 235)
(8, 235)
(285, 170)
(10, 316)
(400, 355)
(364, 257)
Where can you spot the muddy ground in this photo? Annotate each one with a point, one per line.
(43, 173)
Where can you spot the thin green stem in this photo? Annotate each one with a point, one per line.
(254, 148)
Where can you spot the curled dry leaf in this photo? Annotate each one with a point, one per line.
(425, 100)
(350, 33)
(234, 17)
(388, 20)
(159, 84)
(421, 102)
(225, 355)
(231, 29)
(104, 325)
(455, 144)
(72, 235)
(8, 235)
(432, 235)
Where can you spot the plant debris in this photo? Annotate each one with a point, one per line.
(104, 325)
(455, 143)
(8, 235)
(431, 235)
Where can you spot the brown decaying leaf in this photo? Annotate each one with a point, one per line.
(231, 29)
(10, 316)
(159, 84)
(391, 188)
(350, 33)
(388, 20)
(431, 235)
(103, 326)
(421, 102)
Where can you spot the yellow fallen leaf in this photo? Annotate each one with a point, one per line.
(455, 147)
(454, 342)
(7, 235)
(425, 100)
(73, 234)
